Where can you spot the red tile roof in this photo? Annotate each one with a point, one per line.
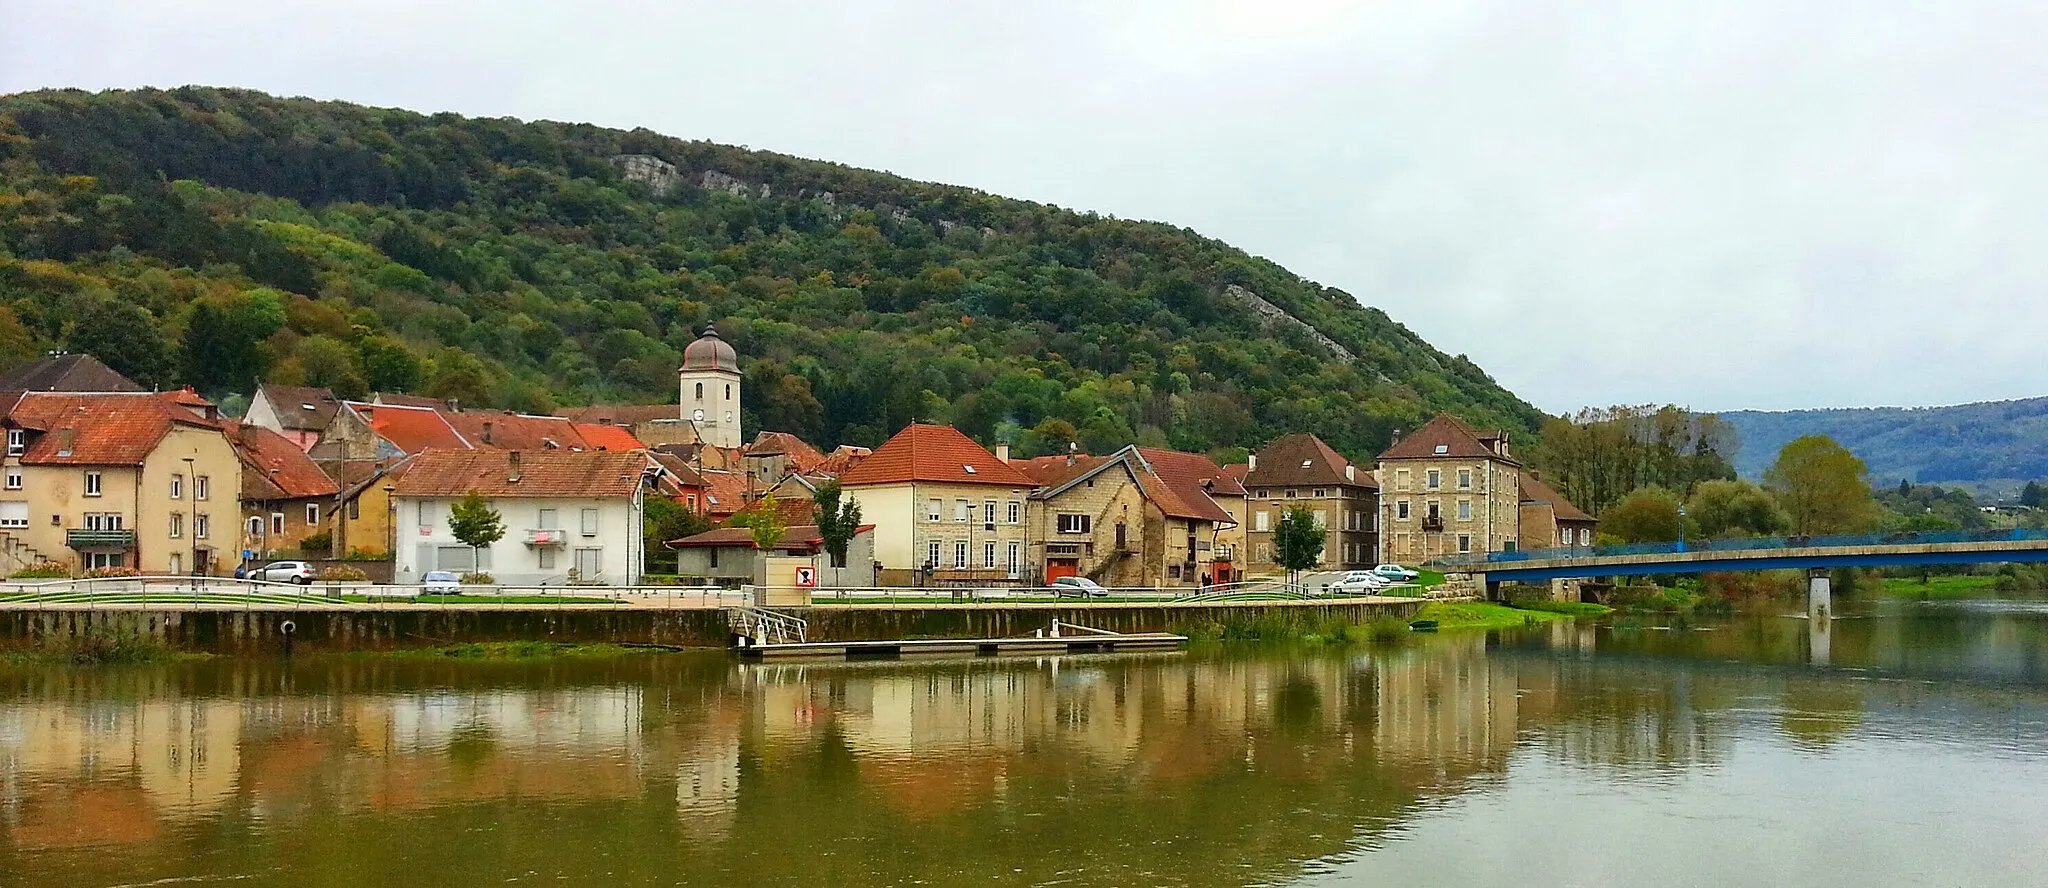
(606, 437)
(504, 430)
(622, 414)
(1303, 459)
(274, 468)
(1173, 482)
(842, 459)
(1053, 471)
(1446, 438)
(300, 408)
(1533, 490)
(513, 473)
(411, 429)
(104, 429)
(795, 536)
(1193, 477)
(802, 456)
(933, 453)
(725, 493)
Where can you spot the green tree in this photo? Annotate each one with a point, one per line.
(667, 521)
(476, 524)
(764, 519)
(17, 344)
(1822, 486)
(1297, 540)
(2032, 496)
(1646, 515)
(1735, 508)
(838, 518)
(125, 337)
(389, 366)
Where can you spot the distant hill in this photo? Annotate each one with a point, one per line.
(219, 237)
(1994, 447)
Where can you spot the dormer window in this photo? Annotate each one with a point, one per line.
(16, 442)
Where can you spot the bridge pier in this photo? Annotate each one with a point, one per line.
(1820, 599)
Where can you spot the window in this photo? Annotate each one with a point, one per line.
(988, 515)
(13, 478)
(1564, 536)
(547, 557)
(963, 510)
(589, 563)
(1464, 479)
(1436, 511)
(177, 487)
(355, 508)
(988, 554)
(1464, 542)
(545, 519)
(1071, 523)
(102, 521)
(1290, 494)
(1016, 556)
(92, 484)
(255, 527)
(1322, 519)
(1433, 479)
(1265, 494)
(1585, 536)
(959, 554)
(13, 514)
(426, 516)
(277, 522)
(103, 559)
(1401, 510)
(199, 526)
(590, 522)
(931, 555)
(933, 510)
(1464, 510)
(728, 393)
(1401, 479)
(312, 515)
(16, 442)
(700, 391)
(201, 486)
(1319, 493)
(177, 525)
(1014, 513)
(1260, 522)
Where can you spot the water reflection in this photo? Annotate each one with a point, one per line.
(1213, 768)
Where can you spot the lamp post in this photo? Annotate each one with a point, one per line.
(193, 480)
(391, 527)
(1681, 527)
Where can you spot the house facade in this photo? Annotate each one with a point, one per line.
(571, 517)
(1548, 520)
(135, 481)
(285, 497)
(944, 507)
(299, 413)
(1117, 520)
(1300, 470)
(729, 554)
(1449, 490)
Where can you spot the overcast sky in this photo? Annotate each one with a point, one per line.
(1740, 203)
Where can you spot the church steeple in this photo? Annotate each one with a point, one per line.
(711, 389)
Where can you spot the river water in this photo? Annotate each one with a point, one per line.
(1916, 753)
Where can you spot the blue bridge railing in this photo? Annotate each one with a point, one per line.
(1902, 538)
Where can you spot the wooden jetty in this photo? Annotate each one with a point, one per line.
(761, 638)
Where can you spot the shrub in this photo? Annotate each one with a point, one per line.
(317, 542)
(102, 573)
(42, 570)
(343, 573)
(477, 579)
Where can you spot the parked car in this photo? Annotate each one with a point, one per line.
(285, 572)
(1078, 587)
(442, 582)
(1359, 582)
(1397, 573)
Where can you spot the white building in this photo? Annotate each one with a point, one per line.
(570, 516)
(710, 389)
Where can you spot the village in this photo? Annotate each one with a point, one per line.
(105, 478)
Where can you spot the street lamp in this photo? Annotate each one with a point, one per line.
(391, 526)
(1681, 527)
(192, 481)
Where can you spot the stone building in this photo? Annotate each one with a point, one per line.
(1449, 489)
(1120, 521)
(1301, 470)
(1548, 519)
(710, 386)
(944, 508)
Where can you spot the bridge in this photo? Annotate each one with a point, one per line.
(1815, 554)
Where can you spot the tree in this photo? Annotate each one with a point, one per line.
(224, 339)
(2033, 497)
(476, 524)
(125, 338)
(1735, 508)
(765, 520)
(838, 518)
(1646, 515)
(1823, 487)
(1297, 540)
(668, 520)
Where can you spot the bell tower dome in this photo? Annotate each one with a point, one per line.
(711, 389)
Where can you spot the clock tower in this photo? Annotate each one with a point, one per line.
(711, 389)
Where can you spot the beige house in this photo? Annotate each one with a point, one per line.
(1449, 490)
(945, 509)
(1118, 520)
(285, 496)
(1549, 520)
(1300, 470)
(139, 481)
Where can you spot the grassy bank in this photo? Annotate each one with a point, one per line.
(99, 650)
(1942, 588)
(1454, 616)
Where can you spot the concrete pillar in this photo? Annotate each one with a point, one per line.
(1820, 609)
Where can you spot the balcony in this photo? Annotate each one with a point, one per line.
(93, 538)
(547, 537)
(1432, 524)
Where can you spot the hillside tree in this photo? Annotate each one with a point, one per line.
(1822, 486)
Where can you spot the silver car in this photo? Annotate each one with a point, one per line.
(442, 582)
(1078, 587)
(285, 572)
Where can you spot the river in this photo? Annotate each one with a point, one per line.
(1562, 755)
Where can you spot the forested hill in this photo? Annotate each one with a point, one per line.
(216, 237)
(1994, 447)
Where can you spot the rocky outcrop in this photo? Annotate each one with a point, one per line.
(659, 175)
(1277, 315)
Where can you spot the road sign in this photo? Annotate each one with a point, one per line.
(807, 577)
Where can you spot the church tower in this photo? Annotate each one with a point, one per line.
(711, 389)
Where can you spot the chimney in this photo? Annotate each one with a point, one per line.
(64, 437)
(1003, 453)
(1251, 461)
(1350, 473)
(487, 434)
(512, 458)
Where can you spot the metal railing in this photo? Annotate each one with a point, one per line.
(766, 626)
(251, 594)
(1744, 544)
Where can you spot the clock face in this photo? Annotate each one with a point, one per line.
(700, 415)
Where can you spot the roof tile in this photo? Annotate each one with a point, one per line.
(515, 473)
(933, 453)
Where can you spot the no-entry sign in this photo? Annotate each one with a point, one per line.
(807, 576)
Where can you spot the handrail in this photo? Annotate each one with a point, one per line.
(766, 626)
(1747, 544)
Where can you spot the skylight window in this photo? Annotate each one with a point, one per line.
(1443, 448)
(969, 469)
(1305, 463)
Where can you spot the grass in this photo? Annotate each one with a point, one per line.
(100, 649)
(510, 650)
(1452, 616)
(1942, 587)
(1567, 608)
(479, 599)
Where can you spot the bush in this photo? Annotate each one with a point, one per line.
(477, 579)
(102, 573)
(318, 542)
(343, 573)
(42, 570)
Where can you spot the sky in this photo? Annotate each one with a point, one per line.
(1736, 204)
